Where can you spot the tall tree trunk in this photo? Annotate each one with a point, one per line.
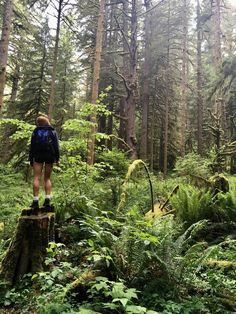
(217, 56)
(126, 67)
(199, 83)
(54, 66)
(183, 106)
(41, 78)
(15, 79)
(167, 102)
(217, 33)
(146, 81)
(132, 84)
(4, 43)
(95, 86)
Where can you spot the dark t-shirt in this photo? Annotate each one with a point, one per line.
(44, 145)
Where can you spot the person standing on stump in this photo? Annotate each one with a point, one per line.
(44, 152)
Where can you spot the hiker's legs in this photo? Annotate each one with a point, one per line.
(47, 179)
(37, 167)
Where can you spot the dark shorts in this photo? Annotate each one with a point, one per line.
(47, 159)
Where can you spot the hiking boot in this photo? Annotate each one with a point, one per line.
(35, 204)
(47, 206)
(34, 208)
(46, 202)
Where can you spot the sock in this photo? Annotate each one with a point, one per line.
(36, 198)
(48, 197)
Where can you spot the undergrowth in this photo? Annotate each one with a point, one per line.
(131, 264)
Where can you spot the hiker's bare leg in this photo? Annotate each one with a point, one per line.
(37, 167)
(47, 179)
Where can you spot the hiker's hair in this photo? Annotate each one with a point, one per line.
(42, 120)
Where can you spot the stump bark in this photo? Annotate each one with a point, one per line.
(27, 249)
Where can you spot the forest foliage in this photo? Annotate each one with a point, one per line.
(142, 95)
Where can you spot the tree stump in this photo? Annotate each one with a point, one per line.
(27, 249)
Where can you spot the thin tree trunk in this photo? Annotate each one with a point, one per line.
(167, 103)
(199, 83)
(132, 85)
(217, 33)
(151, 139)
(146, 81)
(63, 97)
(42, 70)
(4, 43)
(55, 55)
(15, 80)
(183, 106)
(110, 126)
(95, 86)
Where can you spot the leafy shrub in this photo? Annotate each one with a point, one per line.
(193, 164)
(115, 163)
(114, 297)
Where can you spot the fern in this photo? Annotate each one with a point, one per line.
(192, 204)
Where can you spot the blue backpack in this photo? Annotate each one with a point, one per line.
(44, 141)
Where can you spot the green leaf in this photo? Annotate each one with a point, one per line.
(34, 276)
(99, 286)
(118, 290)
(135, 309)
(123, 301)
(131, 293)
(85, 311)
(7, 302)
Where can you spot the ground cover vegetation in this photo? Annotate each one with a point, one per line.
(107, 260)
(142, 95)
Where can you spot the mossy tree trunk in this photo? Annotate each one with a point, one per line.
(27, 249)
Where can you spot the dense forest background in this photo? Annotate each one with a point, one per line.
(165, 73)
(143, 97)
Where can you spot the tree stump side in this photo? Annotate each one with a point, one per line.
(27, 249)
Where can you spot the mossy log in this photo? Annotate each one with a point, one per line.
(226, 265)
(27, 249)
(215, 232)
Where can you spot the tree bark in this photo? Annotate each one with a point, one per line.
(199, 83)
(4, 43)
(132, 85)
(41, 77)
(126, 70)
(15, 80)
(217, 33)
(55, 55)
(217, 56)
(167, 103)
(146, 81)
(183, 105)
(27, 249)
(95, 85)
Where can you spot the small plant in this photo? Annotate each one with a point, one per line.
(113, 297)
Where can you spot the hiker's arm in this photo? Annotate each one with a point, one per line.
(31, 151)
(56, 146)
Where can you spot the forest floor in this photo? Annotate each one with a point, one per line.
(175, 268)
